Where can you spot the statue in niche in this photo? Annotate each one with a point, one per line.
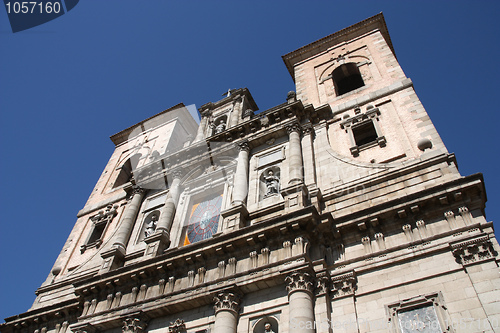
(267, 328)
(151, 226)
(220, 127)
(272, 183)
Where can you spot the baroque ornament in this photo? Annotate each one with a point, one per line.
(299, 281)
(227, 301)
(474, 251)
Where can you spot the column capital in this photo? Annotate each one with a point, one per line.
(136, 189)
(299, 281)
(345, 284)
(177, 173)
(243, 146)
(177, 326)
(227, 300)
(474, 250)
(206, 113)
(135, 322)
(308, 129)
(322, 284)
(293, 127)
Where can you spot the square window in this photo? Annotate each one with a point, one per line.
(364, 133)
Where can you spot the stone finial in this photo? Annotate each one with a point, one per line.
(291, 97)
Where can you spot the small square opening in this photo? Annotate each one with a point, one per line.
(364, 133)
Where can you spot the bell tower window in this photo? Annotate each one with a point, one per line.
(364, 133)
(363, 129)
(347, 78)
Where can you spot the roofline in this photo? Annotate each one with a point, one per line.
(117, 138)
(324, 43)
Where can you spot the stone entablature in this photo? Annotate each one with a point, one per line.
(474, 251)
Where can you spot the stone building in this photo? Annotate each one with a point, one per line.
(339, 210)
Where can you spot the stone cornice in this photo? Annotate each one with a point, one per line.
(473, 183)
(63, 311)
(122, 136)
(370, 24)
(229, 244)
(235, 94)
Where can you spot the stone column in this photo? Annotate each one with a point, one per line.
(226, 307)
(300, 302)
(240, 189)
(114, 257)
(125, 228)
(308, 152)
(295, 165)
(160, 240)
(168, 210)
(236, 113)
(200, 134)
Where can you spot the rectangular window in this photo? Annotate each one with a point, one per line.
(203, 220)
(364, 133)
(420, 314)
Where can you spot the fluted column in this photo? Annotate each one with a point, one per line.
(240, 189)
(227, 305)
(168, 212)
(300, 302)
(295, 165)
(125, 228)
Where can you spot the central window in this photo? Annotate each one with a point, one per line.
(203, 220)
(364, 133)
(347, 78)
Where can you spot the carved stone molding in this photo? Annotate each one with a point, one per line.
(83, 328)
(227, 300)
(177, 326)
(322, 284)
(299, 281)
(343, 285)
(473, 251)
(135, 323)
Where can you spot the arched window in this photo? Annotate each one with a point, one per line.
(347, 78)
(126, 171)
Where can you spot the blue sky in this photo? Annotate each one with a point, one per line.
(69, 84)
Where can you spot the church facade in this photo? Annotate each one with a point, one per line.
(340, 210)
